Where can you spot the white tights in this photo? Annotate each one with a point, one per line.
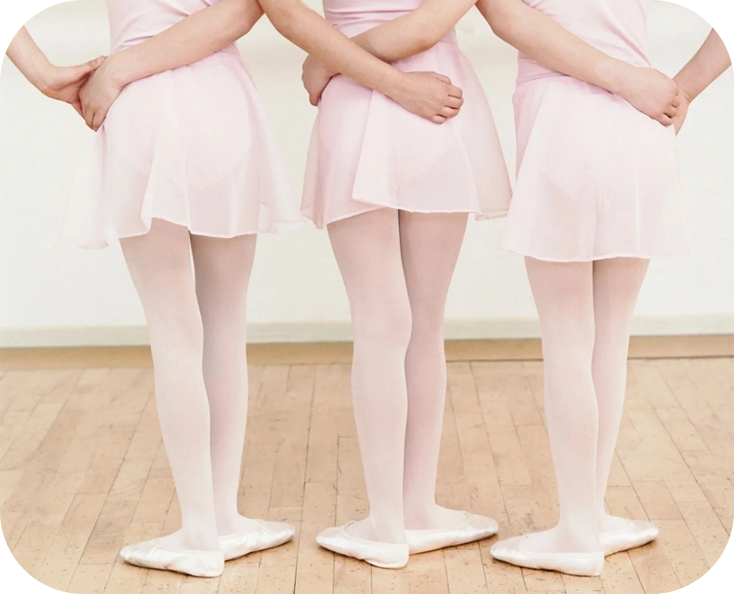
(585, 311)
(198, 340)
(397, 268)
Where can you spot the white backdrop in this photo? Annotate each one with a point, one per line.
(51, 294)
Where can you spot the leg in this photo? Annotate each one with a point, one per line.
(367, 250)
(564, 297)
(223, 268)
(617, 284)
(160, 266)
(430, 244)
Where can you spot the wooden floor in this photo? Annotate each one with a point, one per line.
(83, 471)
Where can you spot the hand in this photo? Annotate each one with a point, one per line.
(429, 95)
(99, 93)
(652, 92)
(316, 77)
(63, 83)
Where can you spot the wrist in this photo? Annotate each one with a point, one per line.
(324, 69)
(616, 76)
(42, 76)
(120, 68)
(394, 81)
(684, 89)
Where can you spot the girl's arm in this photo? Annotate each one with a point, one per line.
(544, 40)
(705, 67)
(191, 40)
(429, 95)
(58, 82)
(533, 33)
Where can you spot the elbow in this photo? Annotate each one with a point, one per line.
(283, 18)
(246, 15)
(502, 23)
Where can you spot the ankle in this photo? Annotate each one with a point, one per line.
(577, 539)
(227, 520)
(235, 524)
(419, 513)
(387, 531)
(199, 538)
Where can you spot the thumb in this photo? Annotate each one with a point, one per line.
(89, 67)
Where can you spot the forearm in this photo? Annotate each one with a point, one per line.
(414, 33)
(312, 33)
(28, 58)
(541, 38)
(191, 40)
(710, 62)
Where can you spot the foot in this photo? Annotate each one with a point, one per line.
(366, 530)
(244, 536)
(341, 540)
(175, 553)
(558, 540)
(522, 552)
(447, 528)
(621, 534)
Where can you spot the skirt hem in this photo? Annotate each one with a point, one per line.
(483, 216)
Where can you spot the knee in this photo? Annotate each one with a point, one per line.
(428, 324)
(176, 333)
(384, 325)
(570, 355)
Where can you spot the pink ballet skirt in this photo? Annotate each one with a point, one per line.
(367, 152)
(596, 179)
(190, 146)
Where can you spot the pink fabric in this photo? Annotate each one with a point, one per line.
(596, 179)
(191, 146)
(367, 152)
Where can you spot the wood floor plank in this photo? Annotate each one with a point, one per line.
(83, 472)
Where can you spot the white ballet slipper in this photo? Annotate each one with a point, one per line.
(637, 533)
(380, 554)
(206, 564)
(267, 535)
(473, 528)
(512, 551)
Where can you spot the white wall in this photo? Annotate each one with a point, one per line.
(52, 294)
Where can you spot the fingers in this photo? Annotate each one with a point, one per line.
(676, 102)
(439, 119)
(442, 78)
(665, 120)
(455, 102)
(449, 112)
(455, 92)
(78, 108)
(89, 117)
(98, 120)
(671, 111)
(86, 69)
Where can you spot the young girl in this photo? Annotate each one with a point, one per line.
(395, 193)
(712, 60)
(593, 205)
(185, 165)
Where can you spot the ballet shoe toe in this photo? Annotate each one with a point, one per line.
(267, 535)
(512, 551)
(473, 529)
(637, 533)
(380, 554)
(150, 555)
